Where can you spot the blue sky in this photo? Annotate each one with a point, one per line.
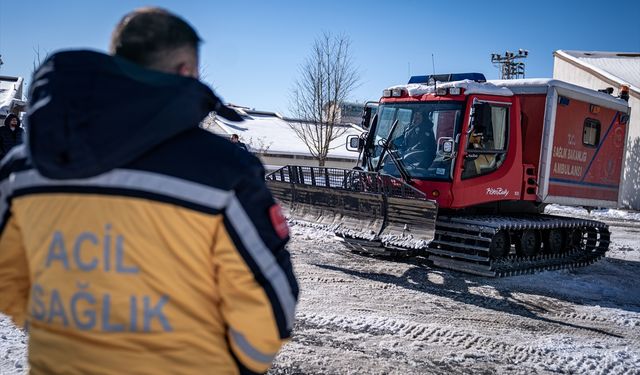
(253, 49)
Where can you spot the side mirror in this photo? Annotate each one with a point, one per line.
(366, 117)
(354, 143)
(367, 112)
(446, 147)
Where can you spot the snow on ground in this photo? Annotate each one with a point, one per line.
(599, 214)
(364, 315)
(13, 348)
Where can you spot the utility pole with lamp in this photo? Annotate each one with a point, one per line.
(509, 67)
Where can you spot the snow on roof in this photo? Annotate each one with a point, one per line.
(269, 132)
(470, 87)
(509, 87)
(541, 85)
(620, 67)
(10, 94)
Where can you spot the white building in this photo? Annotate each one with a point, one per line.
(346, 112)
(599, 70)
(271, 138)
(11, 96)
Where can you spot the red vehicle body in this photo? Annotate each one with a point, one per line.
(564, 144)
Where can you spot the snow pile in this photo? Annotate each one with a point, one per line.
(310, 231)
(601, 214)
(406, 241)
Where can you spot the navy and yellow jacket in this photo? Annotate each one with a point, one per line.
(131, 240)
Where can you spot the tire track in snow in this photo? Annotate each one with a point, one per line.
(622, 321)
(324, 280)
(544, 307)
(426, 336)
(548, 315)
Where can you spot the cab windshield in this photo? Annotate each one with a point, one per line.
(421, 131)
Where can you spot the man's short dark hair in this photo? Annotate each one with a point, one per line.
(146, 35)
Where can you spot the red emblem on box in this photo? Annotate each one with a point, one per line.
(278, 221)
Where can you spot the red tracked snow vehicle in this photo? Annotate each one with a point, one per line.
(460, 172)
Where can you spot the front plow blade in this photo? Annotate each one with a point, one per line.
(374, 213)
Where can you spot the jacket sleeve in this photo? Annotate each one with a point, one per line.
(14, 273)
(258, 289)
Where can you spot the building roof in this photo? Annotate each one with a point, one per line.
(10, 94)
(619, 67)
(271, 133)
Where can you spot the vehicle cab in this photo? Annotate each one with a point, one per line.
(458, 142)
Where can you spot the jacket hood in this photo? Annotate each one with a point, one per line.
(8, 119)
(90, 112)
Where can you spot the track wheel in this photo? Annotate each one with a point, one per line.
(499, 245)
(529, 244)
(592, 238)
(554, 241)
(575, 239)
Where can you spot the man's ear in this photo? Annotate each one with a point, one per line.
(187, 70)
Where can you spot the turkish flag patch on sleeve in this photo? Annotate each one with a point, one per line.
(278, 221)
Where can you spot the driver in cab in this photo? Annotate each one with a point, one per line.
(420, 142)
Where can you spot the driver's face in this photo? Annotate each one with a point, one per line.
(417, 118)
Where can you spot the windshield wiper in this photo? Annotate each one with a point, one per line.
(399, 164)
(384, 143)
(387, 146)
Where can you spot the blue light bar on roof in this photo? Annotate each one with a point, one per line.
(450, 77)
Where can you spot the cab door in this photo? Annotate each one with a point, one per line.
(489, 164)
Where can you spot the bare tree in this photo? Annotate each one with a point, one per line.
(38, 59)
(326, 78)
(258, 145)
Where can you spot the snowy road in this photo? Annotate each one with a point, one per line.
(361, 315)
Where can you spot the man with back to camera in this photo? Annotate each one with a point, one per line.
(120, 249)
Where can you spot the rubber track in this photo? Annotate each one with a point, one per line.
(462, 243)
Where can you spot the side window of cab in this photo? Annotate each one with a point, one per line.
(487, 141)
